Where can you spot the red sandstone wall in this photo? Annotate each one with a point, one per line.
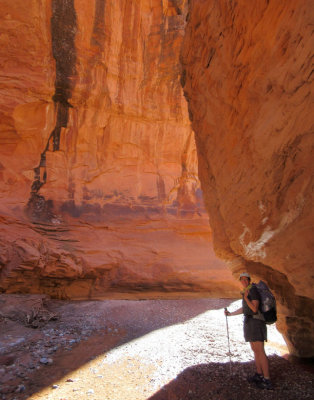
(98, 166)
(248, 79)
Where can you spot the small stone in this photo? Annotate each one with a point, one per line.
(90, 391)
(69, 380)
(55, 386)
(46, 361)
(20, 389)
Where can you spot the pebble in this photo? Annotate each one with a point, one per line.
(46, 361)
(20, 389)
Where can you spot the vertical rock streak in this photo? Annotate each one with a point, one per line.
(63, 30)
(98, 36)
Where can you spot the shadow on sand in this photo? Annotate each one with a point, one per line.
(215, 381)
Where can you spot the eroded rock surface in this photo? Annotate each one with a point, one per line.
(248, 79)
(98, 165)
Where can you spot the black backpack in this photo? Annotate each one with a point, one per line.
(268, 303)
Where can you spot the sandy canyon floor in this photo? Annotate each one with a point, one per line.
(135, 350)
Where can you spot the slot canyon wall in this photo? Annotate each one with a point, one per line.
(100, 195)
(248, 79)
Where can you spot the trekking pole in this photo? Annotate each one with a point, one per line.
(228, 342)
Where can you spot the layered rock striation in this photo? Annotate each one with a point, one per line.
(98, 166)
(248, 79)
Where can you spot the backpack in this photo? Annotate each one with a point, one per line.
(268, 303)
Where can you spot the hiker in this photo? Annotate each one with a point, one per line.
(255, 330)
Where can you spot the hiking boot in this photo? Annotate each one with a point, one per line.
(265, 384)
(256, 378)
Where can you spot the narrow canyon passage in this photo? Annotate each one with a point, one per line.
(138, 350)
(155, 149)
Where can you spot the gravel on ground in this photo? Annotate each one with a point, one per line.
(141, 350)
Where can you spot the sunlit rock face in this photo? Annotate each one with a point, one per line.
(98, 167)
(248, 82)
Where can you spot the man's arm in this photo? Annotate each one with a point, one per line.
(236, 312)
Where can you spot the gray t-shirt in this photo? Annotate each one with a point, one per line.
(253, 295)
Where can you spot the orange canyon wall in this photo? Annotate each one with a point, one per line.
(248, 78)
(100, 194)
(98, 168)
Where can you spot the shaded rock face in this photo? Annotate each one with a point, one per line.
(248, 80)
(98, 166)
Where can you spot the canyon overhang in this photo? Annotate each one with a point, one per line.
(248, 78)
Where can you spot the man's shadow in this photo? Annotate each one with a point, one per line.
(225, 381)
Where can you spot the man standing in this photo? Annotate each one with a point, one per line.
(255, 331)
